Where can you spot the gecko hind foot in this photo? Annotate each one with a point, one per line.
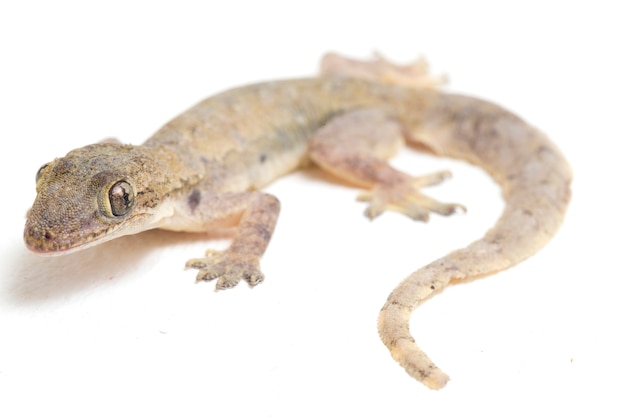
(405, 197)
(379, 69)
(227, 268)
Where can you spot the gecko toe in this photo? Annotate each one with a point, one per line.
(448, 209)
(432, 179)
(232, 278)
(373, 210)
(405, 197)
(254, 278)
(417, 213)
(209, 274)
(227, 281)
(196, 263)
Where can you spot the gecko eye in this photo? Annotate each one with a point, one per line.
(40, 171)
(121, 198)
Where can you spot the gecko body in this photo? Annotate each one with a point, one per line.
(204, 169)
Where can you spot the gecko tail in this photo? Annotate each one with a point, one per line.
(491, 254)
(535, 180)
(393, 321)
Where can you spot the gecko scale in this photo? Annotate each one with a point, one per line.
(203, 170)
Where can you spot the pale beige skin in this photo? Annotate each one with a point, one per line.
(202, 169)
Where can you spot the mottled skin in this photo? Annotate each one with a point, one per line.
(202, 171)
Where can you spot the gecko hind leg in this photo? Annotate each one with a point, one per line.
(354, 147)
(381, 70)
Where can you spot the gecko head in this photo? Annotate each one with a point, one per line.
(91, 195)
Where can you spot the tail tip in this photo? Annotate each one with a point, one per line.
(436, 380)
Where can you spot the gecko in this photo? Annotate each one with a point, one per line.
(205, 169)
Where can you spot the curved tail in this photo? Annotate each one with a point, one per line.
(535, 180)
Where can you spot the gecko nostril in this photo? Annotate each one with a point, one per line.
(48, 236)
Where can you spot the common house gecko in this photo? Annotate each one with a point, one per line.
(203, 170)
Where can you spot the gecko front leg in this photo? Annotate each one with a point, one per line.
(255, 215)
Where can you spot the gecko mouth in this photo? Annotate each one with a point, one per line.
(59, 240)
(46, 242)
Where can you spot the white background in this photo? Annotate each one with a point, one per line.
(122, 329)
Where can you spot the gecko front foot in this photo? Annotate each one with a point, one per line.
(405, 197)
(228, 268)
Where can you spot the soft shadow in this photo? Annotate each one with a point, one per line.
(40, 278)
